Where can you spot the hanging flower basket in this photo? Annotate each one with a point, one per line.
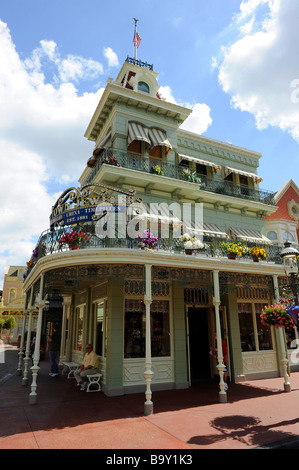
(277, 316)
(190, 243)
(157, 170)
(73, 239)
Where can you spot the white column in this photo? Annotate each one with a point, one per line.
(66, 306)
(148, 373)
(28, 341)
(220, 365)
(22, 347)
(35, 368)
(284, 353)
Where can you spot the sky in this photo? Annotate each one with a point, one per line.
(234, 62)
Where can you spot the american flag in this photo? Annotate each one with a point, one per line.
(136, 39)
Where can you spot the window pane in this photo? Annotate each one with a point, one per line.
(246, 327)
(263, 332)
(134, 345)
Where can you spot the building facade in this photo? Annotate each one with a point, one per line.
(152, 312)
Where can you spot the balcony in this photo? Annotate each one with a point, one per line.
(49, 244)
(151, 165)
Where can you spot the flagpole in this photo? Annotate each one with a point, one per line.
(135, 40)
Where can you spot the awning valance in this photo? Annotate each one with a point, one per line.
(249, 235)
(150, 212)
(214, 167)
(208, 230)
(138, 132)
(158, 138)
(227, 171)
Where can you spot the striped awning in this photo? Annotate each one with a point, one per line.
(137, 132)
(214, 167)
(150, 212)
(209, 230)
(249, 235)
(158, 138)
(227, 171)
(105, 142)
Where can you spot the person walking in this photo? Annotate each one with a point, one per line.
(53, 348)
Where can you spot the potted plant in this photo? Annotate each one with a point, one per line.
(190, 243)
(190, 175)
(73, 239)
(257, 253)
(147, 241)
(277, 316)
(157, 170)
(233, 249)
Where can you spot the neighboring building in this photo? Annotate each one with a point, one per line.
(114, 294)
(12, 302)
(282, 225)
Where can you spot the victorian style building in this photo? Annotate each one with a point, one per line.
(152, 312)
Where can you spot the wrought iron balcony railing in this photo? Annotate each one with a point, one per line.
(49, 244)
(153, 165)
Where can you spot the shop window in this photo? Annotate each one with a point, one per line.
(254, 335)
(135, 328)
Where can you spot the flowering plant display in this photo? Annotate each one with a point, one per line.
(278, 316)
(73, 238)
(191, 243)
(147, 240)
(258, 253)
(111, 161)
(234, 248)
(157, 170)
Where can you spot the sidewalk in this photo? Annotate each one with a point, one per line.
(259, 414)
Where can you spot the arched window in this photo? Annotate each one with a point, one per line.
(272, 235)
(287, 236)
(142, 86)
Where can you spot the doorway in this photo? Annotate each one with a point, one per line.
(198, 345)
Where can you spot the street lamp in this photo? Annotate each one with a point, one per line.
(289, 257)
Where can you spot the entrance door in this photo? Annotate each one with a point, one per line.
(198, 345)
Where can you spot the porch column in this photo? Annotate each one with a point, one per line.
(65, 315)
(35, 368)
(220, 365)
(28, 341)
(284, 352)
(148, 373)
(22, 347)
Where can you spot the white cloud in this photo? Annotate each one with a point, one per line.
(257, 70)
(200, 118)
(42, 123)
(111, 56)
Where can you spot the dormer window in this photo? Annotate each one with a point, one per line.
(142, 86)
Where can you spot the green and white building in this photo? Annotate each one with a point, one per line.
(151, 315)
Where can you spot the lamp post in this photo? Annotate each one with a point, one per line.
(289, 257)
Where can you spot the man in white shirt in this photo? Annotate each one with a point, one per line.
(89, 366)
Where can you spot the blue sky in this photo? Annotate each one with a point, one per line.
(234, 62)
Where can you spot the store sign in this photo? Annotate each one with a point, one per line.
(89, 202)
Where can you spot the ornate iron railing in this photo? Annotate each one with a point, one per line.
(49, 244)
(140, 63)
(153, 165)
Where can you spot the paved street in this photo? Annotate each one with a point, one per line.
(258, 415)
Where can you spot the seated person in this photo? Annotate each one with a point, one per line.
(89, 366)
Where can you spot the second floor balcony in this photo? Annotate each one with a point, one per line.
(161, 168)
